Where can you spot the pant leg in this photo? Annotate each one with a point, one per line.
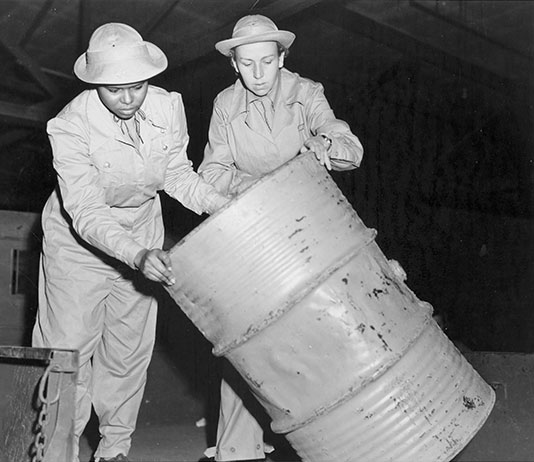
(71, 316)
(239, 435)
(120, 364)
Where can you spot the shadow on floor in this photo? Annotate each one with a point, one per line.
(172, 424)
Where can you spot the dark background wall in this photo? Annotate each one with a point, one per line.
(445, 180)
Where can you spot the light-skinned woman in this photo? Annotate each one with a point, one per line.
(267, 117)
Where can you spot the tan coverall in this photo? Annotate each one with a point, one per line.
(240, 148)
(104, 211)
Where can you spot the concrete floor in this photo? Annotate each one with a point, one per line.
(508, 434)
(182, 390)
(168, 426)
(168, 431)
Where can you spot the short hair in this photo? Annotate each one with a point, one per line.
(281, 49)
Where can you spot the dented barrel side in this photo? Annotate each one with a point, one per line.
(290, 286)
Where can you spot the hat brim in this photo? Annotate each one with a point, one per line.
(123, 71)
(285, 38)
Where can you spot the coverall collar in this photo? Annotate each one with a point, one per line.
(272, 96)
(286, 95)
(104, 122)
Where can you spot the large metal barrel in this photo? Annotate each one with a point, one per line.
(289, 285)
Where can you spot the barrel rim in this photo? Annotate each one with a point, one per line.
(300, 158)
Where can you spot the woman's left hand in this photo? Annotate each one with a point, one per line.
(155, 265)
(320, 145)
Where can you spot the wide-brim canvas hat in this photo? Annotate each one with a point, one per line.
(117, 54)
(252, 29)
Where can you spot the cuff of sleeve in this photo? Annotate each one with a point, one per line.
(215, 202)
(130, 252)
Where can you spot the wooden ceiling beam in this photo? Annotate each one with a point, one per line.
(160, 15)
(356, 23)
(84, 16)
(197, 47)
(35, 23)
(32, 67)
(25, 115)
(466, 27)
(282, 9)
(19, 89)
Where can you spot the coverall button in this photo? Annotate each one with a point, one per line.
(232, 449)
(165, 147)
(258, 446)
(107, 165)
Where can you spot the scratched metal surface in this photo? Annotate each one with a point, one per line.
(425, 407)
(289, 285)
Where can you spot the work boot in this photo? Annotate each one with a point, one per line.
(118, 458)
(210, 459)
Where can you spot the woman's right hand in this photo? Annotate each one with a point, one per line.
(155, 265)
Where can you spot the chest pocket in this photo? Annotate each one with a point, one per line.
(116, 172)
(158, 160)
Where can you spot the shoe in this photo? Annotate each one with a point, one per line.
(209, 459)
(118, 458)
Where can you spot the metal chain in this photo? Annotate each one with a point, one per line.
(39, 440)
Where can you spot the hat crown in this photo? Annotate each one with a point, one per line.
(254, 28)
(117, 54)
(114, 35)
(253, 25)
